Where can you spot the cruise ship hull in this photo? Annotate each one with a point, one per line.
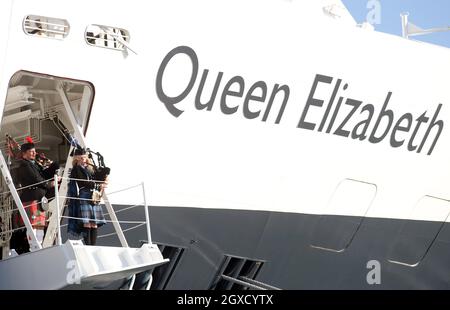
(287, 244)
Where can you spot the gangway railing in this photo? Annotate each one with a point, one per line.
(59, 199)
(31, 235)
(112, 213)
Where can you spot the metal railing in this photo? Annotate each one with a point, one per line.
(111, 213)
(59, 199)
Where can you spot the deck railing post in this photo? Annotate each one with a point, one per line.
(147, 218)
(31, 235)
(58, 216)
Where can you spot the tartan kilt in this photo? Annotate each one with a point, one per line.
(90, 213)
(37, 217)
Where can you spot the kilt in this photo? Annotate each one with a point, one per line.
(90, 213)
(37, 217)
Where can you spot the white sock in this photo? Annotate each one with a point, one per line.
(39, 235)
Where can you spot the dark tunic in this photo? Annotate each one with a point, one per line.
(29, 173)
(81, 173)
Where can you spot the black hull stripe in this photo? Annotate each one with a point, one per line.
(301, 251)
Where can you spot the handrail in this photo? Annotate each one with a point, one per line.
(111, 212)
(76, 198)
(24, 187)
(84, 180)
(125, 230)
(147, 218)
(32, 239)
(125, 209)
(108, 221)
(124, 189)
(58, 222)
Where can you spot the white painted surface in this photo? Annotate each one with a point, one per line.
(211, 160)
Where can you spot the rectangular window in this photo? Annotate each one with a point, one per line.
(419, 231)
(107, 37)
(343, 215)
(46, 27)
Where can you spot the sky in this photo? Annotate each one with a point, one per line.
(423, 13)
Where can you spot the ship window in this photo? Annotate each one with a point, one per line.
(238, 273)
(340, 221)
(419, 231)
(162, 274)
(107, 37)
(47, 27)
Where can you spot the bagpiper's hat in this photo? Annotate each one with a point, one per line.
(78, 151)
(28, 145)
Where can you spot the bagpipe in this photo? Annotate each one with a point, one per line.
(101, 171)
(47, 167)
(12, 148)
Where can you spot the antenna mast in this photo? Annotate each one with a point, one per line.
(409, 29)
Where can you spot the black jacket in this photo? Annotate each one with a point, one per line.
(81, 173)
(29, 173)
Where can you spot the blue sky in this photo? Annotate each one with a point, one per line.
(423, 13)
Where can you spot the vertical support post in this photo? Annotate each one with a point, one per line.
(53, 229)
(31, 236)
(147, 218)
(78, 133)
(116, 224)
(404, 17)
(50, 235)
(80, 137)
(58, 216)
